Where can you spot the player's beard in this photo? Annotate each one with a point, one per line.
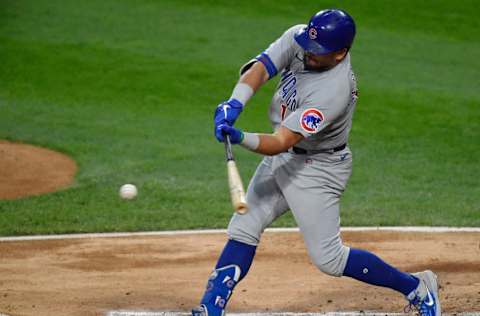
(319, 68)
(316, 69)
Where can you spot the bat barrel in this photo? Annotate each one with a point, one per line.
(237, 194)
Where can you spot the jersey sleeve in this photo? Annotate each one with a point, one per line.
(316, 112)
(280, 53)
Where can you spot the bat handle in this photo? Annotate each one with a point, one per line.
(228, 148)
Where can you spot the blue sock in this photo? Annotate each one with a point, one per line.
(237, 253)
(367, 267)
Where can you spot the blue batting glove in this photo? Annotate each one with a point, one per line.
(227, 112)
(236, 135)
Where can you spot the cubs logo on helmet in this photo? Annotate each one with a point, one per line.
(311, 120)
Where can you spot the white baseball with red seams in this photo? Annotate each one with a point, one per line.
(128, 191)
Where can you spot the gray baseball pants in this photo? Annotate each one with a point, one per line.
(310, 186)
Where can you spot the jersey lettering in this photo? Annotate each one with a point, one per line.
(286, 75)
(288, 90)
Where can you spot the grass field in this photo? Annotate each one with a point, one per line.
(127, 88)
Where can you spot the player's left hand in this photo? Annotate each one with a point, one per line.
(236, 135)
(227, 112)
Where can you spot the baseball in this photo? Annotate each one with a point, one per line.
(128, 191)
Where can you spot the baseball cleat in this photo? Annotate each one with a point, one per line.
(200, 311)
(219, 289)
(425, 297)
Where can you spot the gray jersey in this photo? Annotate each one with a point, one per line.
(319, 105)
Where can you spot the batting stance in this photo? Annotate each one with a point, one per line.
(307, 162)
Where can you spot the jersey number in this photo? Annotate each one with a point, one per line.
(283, 111)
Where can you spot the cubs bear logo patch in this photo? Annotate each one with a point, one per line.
(311, 120)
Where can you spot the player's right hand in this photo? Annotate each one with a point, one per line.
(227, 112)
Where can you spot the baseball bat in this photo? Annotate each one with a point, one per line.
(237, 194)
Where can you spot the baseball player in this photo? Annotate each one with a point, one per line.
(307, 162)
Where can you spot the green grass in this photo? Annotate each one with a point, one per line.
(127, 89)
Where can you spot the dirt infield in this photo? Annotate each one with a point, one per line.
(32, 170)
(94, 275)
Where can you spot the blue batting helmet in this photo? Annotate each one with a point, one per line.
(328, 31)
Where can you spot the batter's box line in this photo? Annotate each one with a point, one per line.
(170, 313)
